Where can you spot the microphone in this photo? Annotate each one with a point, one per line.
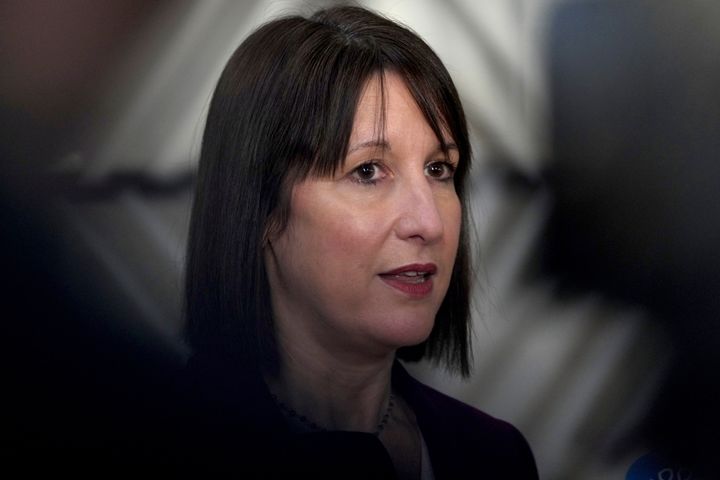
(653, 466)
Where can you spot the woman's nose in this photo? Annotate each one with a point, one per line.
(419, 213)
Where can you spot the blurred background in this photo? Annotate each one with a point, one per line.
(595, 129)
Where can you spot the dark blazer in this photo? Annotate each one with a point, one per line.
(464, 442)
(235, 427)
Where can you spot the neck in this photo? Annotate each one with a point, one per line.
(337, 391)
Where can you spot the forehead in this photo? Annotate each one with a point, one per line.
(386, 105)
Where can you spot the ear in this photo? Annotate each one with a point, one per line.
(280, 215)
(270, 233)
(275, 225)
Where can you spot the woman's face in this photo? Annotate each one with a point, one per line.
(367, 255)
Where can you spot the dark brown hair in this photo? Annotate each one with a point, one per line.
(283, 109)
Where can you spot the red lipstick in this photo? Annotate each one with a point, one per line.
(414, 280)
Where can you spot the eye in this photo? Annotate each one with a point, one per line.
(440, 170)
(367, 173)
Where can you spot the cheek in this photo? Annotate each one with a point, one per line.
(339, 245)
(329, 223)
(452, 213)
(343, 242)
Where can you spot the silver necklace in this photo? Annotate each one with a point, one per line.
(307, 422)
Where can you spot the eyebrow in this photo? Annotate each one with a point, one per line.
(386, 146)
(370, 143)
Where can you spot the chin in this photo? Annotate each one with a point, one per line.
(406, 332)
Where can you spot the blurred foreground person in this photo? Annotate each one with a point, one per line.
(636, 181)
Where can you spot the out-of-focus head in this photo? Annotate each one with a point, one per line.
(283, 113)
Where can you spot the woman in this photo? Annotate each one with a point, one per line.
(327, 241)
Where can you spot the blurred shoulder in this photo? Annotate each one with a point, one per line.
(463, 439)
(470, 421)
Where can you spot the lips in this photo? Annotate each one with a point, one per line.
(414, 280)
